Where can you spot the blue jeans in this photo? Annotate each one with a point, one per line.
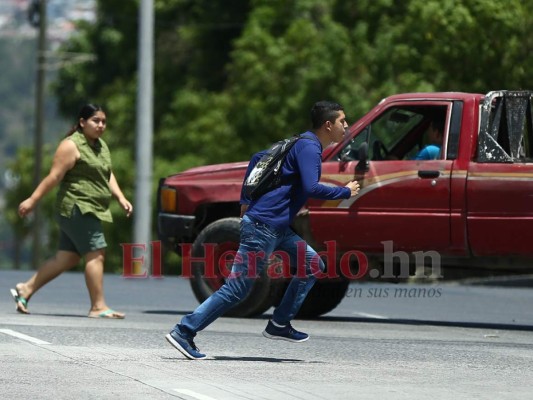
(258, 239)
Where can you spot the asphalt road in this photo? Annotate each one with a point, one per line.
(441, 341)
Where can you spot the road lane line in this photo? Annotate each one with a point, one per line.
(366, 315)
(194, 394)
(22, 336)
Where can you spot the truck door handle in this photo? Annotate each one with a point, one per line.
(428, 174)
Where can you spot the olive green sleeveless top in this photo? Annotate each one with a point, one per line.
(86, 185)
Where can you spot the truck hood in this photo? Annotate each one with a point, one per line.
(214, 169)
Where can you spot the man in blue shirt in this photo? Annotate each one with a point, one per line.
(435, 135)
(265, 227)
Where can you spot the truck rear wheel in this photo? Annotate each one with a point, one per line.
(323, 297)
(224, 235)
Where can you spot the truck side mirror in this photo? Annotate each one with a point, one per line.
(362, 165)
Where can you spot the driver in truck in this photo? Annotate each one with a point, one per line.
(434, 136)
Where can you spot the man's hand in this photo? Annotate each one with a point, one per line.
(354, 188)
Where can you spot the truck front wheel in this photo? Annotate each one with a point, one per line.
(217, 244)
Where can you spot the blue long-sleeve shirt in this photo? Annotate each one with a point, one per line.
(301, 175)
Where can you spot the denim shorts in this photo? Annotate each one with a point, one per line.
(81, 233)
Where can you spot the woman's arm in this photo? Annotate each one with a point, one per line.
(117, 193)
(64, 159)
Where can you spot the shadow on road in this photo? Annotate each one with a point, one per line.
(459, 324)
(249, 359)
(399, 321)
(57, 315)
(265, 359)
(168, 312)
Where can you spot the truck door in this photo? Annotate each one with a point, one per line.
(500, 179)
(402, 201)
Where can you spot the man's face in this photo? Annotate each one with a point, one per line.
(338, 128)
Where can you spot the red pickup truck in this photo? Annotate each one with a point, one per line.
(473, 204)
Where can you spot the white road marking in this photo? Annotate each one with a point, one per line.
(23, 336)
(375, 316)
(194, 394)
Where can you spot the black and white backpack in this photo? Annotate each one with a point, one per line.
(266, 174)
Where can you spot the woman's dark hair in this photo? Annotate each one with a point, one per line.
(324, 111)
(86, 112)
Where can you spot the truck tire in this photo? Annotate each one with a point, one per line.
(323, 297)
(224, 234)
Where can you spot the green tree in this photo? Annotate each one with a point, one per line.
(442, 45)
(290, 55)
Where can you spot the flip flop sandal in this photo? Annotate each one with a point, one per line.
(108, 314)
(21, 302)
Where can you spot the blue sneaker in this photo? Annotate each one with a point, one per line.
(284, 333)
(184, 345)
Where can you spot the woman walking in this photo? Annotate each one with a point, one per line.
(82, 169)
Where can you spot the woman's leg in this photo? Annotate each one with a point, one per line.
(94, 278)
(51, 268)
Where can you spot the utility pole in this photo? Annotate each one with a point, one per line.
(37, 17)
(143, 182)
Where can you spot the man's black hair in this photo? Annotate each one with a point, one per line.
(324, 111)
(438, 121)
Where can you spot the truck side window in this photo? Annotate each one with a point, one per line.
(389, 130)
(350, 151)
(397, 134)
